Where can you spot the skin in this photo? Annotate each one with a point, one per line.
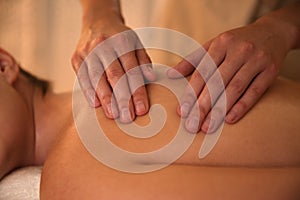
(261, 47)
(101, 20)
(26, 131)
(257, 158)
(252, 155)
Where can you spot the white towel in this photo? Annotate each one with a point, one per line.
(21, 184)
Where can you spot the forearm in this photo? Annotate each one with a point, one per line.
(286, 22)
(103, 11)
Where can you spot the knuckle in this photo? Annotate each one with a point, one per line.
(204, 72)
(95, 71)
(226, 37)
(204, 105)
(134, 72)
(95, 78)
(128, 59)
(189, 96)
(131, 35)
(237, 85)
(255, 91)
(99, 39)
(75, 62)
(218, 112)
(246, 47)
(114, 73)
(84, 49)
(127, 38)
(139, 95)
(123, 101)
(202, 112)
(195, 57)
(273, 70)
(198, 74)
(105, 98)
(144, 57)
(241, 106)
(121, 39)
(262, 55)
(83, 77)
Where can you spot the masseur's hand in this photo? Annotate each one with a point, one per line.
(248, 60)
(97, 66)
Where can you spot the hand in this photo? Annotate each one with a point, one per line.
(248, 60)
(101, 68)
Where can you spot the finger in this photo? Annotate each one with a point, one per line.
(145, 65)
(76, 62)
(201, 75)
(221, 77)
(107, 98)
(207, 44)
(118, 81)
(211, 97)
(251, 96)
(85, 84)
(212, 123)
(194, 119)
(186, 66)
(136, 82)
(95, 69)
(203, 104)
(190, 94)
(196, 85)
(80, 54)
(239, 83)
(99, 82)
(216, 115)
(226, 71)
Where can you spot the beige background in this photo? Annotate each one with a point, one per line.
(43, 34)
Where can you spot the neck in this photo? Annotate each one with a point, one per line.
(50, 113)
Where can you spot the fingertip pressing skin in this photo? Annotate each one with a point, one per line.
(141, 101)
(192, 124)
(136, 82)
(173, 74)
(232, 117)
(148, 72)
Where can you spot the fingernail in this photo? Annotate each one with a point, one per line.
(112, 110)
(150, 74)
(150, 69)
(192, 124)
(172, 73)
(140, 107)
(184, 109)
(208, 126)
(231, 117)
(92, 98)
(125, 116)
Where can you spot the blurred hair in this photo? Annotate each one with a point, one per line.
(40, 83)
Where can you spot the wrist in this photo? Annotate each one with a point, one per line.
(99, 15)
(102, 23)
(284, 29)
